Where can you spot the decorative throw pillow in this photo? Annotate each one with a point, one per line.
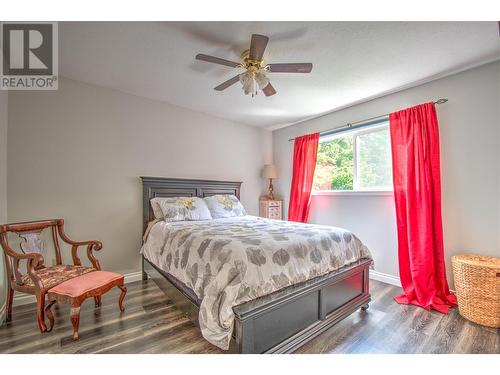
(224, 206)
(184, 208)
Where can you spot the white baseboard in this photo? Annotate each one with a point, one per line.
(132, 277)
(385, 278)
(24, 299)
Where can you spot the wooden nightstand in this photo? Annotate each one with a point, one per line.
(271, 209)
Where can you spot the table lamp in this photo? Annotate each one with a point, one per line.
(269, 172)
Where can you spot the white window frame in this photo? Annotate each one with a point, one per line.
(357, 190)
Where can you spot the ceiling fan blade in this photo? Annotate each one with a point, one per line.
(217, 60)
(269, 90)
(229, 82)
(258, 46)
(291, 68)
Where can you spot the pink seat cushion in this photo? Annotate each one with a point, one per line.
(82, 284)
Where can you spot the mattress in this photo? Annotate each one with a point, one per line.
(226, 262)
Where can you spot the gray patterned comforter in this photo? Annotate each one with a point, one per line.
(230, 261)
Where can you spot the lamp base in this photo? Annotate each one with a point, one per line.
(270, 196)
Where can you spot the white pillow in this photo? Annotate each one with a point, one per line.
(224, 206)
(155, 205)
(184, 209)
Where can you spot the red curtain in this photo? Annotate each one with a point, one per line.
(417, 192)
(305, 151)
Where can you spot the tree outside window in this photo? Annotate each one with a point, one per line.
(359, 160)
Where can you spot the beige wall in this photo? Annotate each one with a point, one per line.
(78, 152)
(470, 143)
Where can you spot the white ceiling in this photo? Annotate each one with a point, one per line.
(352, 61)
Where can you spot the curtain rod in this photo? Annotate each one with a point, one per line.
(363, 123)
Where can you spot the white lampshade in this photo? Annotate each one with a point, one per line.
(261, 79)
(269, 171)
(248, 82)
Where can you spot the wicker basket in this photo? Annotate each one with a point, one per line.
(477, 284)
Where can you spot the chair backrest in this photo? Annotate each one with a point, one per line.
(31, 242)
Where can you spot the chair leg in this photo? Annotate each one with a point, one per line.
(75, 321)
(10, 302)
(122, 297)
(98, 301)
(40, 303)
(50, 316)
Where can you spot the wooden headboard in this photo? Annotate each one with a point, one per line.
(178, 187)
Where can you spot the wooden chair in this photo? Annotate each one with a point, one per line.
(40, 278)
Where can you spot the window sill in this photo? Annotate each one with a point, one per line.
(356, 193)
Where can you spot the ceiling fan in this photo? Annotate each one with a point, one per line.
(255, 75)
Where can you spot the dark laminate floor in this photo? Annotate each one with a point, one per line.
(151, 324)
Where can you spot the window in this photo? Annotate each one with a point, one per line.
(357, 160)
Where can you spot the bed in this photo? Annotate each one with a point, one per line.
(279, 311)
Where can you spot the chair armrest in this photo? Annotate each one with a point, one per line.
(92, 245)
(34, 260)
(97, 245)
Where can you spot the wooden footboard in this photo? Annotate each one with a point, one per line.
(285, 320)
